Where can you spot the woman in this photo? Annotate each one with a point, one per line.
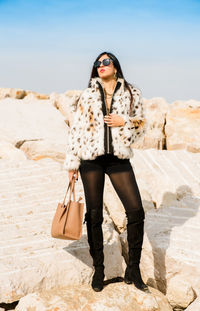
(108, 119)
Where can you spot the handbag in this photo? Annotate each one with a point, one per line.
(67, 221)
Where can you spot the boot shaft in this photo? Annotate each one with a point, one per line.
(94, 220)
(135, 235)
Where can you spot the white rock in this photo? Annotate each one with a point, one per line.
(180, 292)
(47, 148)
(66, 103)
(183, 126)
(12, 92)
(35, 95)
(31, 301)
(31, 259)
(155, 109)
(20, 120)
(194, 306)
(114, 297)
(167, 175)
(8, 151)
(171, 253)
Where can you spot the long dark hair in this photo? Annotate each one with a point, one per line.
(119, 73)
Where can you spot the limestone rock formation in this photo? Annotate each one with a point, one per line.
(39, 149)
(31, 259)
(12, 92)
(183, 126)
(9, 151)
(155, 109)
(21, 94)
(171, 254)
(34, 95)
(20, 120)
(194, 306)
(33, 134)
(39, 130)
(114, 297)
(66, 103)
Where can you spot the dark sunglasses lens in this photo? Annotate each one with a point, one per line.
(97, 64)
(106, 61)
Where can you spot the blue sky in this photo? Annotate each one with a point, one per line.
(49, 46)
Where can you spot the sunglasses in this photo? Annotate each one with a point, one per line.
(105, 62)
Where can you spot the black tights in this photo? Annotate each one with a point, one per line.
(122, 177)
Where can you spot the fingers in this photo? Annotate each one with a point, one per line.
(108, 120)
(73, 175)
(114, 120)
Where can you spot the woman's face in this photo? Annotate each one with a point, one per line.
(106, 71)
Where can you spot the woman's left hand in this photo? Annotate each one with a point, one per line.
(114, 120)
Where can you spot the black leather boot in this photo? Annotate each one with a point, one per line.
(98, 277)
(135, 233)
(94, 219)
(133, 276)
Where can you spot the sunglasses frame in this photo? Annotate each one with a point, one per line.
(97, 63)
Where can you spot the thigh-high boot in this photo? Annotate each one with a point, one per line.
(135, 233)
(94, 219)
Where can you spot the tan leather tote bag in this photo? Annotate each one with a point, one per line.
(68, 219)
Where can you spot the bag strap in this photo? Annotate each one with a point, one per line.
(72, 189)
(71, 185)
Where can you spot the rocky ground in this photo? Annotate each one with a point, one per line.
(39, 272)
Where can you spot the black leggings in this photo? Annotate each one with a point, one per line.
(122, 178)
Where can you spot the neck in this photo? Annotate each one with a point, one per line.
(109, 84)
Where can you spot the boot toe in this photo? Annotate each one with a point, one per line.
(133, 276)
(97, 285)
(142, 286)
(97, 288)
(98, 278)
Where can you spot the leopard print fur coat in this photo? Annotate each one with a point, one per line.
(86, 135)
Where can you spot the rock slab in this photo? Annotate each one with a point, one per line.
(30, 259)
(114, 297)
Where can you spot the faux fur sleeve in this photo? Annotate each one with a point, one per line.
(72, 160)
(135, 125)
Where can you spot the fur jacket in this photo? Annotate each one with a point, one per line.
(86, 139)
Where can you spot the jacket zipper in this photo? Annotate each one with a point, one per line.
(108, 133)
(108, 111)
(107, 130)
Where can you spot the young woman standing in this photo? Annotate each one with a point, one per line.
(108, 119)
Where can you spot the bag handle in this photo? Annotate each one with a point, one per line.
(71, 185)
(66, 207)
(72, 190)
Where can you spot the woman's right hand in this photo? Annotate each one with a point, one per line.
(71, 173)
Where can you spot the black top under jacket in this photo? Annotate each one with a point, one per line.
(107, 130)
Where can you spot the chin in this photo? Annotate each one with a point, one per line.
(104, 76)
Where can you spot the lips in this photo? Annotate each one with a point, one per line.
(102, 70)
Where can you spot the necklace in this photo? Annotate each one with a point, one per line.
(108, 94)
(107, 99)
